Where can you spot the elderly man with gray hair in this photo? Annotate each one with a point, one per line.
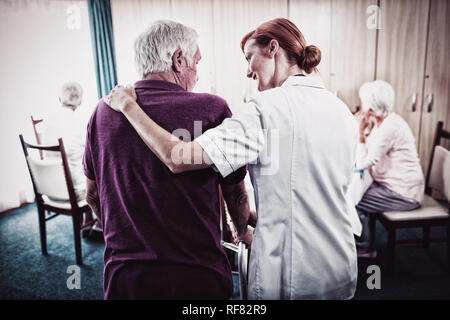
(64, 123)
(390, 155)
(162, 231)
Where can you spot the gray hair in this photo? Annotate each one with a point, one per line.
(377, 95)
(155, 47)
(71, 94)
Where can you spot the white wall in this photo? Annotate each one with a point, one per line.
(46, 42)
(38, 53)
(221, 24)
(140, 15)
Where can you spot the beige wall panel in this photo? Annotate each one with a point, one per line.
(437, 80)
(313, 18)
(232, 20)
(353, 43)
(401, 55)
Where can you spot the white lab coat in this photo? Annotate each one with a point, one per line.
(300, 141)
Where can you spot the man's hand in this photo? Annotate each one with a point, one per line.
(238, 206)
(92, 197)
(121, 97)
(246, 237)
(252, 219)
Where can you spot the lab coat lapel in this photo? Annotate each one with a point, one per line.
(308, 81)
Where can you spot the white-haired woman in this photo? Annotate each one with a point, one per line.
(390, 155)
(64, 122)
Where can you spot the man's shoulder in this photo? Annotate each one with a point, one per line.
(99, 108)
(210, 99)
(208, 105)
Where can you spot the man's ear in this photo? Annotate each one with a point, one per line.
(273, 47)
(177, 59)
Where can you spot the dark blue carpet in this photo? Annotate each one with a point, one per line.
(27, 274)
(421, 273)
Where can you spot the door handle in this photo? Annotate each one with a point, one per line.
(429, 102)
(414, 102)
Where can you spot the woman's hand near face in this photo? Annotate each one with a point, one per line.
(121, 97)
(363, 119)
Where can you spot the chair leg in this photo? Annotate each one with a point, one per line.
(391, 250)
(372, 225)
(76, 232)
(448, 246)
(42, 229)
(426, 237)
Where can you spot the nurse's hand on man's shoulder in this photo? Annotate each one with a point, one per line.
(121, 97)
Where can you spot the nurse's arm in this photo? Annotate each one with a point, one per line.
(177, 155)
(236, 142)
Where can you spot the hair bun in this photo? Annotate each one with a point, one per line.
(309, 59)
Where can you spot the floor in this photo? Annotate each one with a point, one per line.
(422, 273)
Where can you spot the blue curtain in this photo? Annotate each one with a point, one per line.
(103, 45)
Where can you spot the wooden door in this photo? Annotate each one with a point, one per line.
(401, 55)
(437, 78)
(313, 18)
(353, 48)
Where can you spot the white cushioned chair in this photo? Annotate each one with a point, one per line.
(435, 208)
(55, 193)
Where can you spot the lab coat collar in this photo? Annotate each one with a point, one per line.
(308, 81)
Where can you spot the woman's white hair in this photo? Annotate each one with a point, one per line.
(377, 95)
(155, 47)
(71, 94)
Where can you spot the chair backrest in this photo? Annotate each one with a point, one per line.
(50, 177)
(439, 179)
(438, 174)
(35, 122)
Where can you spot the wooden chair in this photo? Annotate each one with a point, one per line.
(431, 213)
(35, 122)
(52, 180)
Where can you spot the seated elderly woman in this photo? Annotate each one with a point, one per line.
(63, 121)
(389, 153)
